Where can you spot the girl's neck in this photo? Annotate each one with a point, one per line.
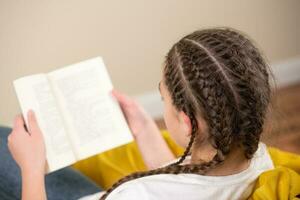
(234, 162)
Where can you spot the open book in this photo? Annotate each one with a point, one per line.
(75, 111)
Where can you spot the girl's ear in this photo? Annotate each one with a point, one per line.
(186, 122)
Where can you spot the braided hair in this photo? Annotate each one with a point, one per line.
(221, 75)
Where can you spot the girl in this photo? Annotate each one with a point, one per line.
(216, 91)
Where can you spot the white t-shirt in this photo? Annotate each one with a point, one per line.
(193, 186)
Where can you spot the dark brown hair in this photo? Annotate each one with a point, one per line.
(219, 74)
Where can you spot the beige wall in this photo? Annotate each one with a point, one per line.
(132, 36)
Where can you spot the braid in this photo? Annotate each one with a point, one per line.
(170, 169)
(220, 75)
(250, 72)
(209, 92)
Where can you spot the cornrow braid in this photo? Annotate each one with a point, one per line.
(170, 169)
(220, 75)
(251, 71)
(205, 92)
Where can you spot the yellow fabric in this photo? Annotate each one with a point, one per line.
(281, 183)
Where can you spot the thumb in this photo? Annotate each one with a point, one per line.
(32, 123)
(19, 123)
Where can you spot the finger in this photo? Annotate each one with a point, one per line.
(19, 123)
(32, 123)
(122, 98)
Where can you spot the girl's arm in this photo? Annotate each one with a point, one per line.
(33, 186)
(151, 143)
(153, 147)
(28, 150)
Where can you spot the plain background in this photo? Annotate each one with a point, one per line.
(132, 36)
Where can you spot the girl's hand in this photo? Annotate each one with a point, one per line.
(137, 118)
(152, 145)
(28, 148)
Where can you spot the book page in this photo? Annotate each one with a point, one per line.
(34, 93)
(95, 120)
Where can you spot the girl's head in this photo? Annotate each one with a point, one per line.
(216, 90)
